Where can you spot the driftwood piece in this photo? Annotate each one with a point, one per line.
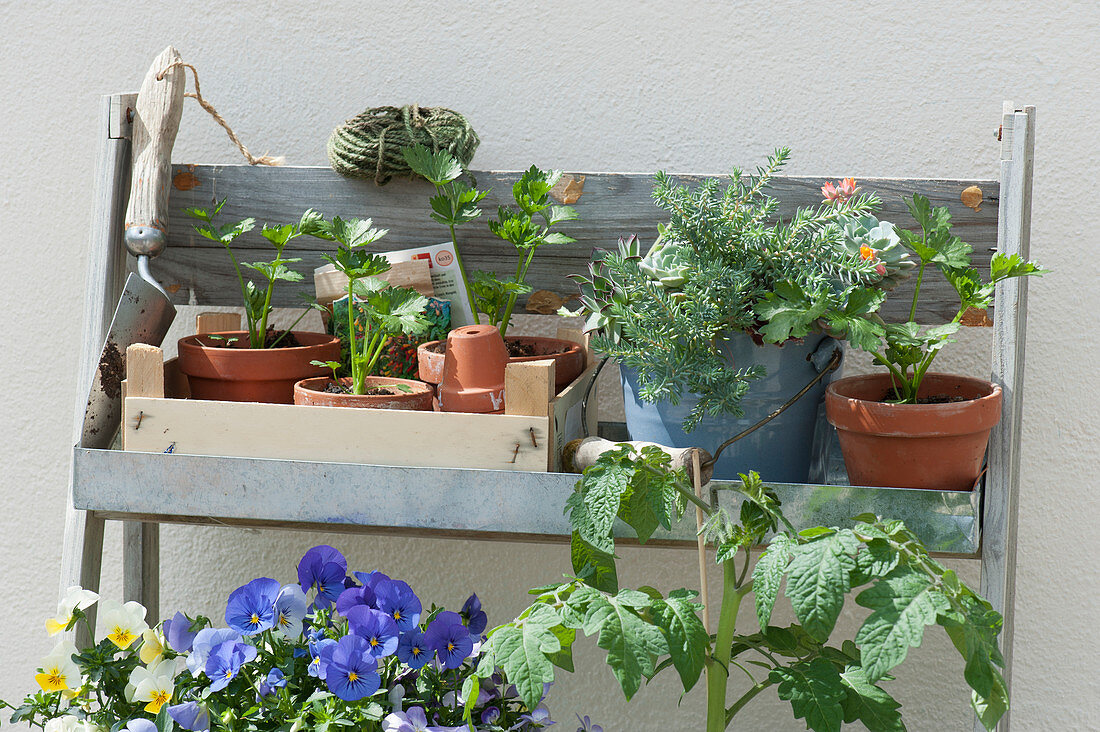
(581, 454)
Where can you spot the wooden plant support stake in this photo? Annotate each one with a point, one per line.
(217, 322)
(704, 594)
(581, 454)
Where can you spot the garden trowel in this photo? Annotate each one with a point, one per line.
(144, 312)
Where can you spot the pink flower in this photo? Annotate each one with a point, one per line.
(839, 192)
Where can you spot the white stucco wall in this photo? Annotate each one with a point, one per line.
(854, 88)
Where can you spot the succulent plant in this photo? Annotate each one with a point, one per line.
(876, 240)
(667, 263)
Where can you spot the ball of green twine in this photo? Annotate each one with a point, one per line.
(369, 144)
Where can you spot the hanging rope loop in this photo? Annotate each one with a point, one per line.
(252, 159)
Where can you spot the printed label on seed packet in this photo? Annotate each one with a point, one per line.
(446, 278)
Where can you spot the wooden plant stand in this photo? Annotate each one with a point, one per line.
(145, 489)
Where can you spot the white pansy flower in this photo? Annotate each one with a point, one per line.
(59, 671)
(124, 623)
(76, 598)
(154, 684)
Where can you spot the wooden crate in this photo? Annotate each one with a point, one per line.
(529, 436)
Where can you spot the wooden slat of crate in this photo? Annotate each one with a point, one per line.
(336, 434)
(610, 206)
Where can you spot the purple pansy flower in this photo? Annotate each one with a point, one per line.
(376, 627)
(206, 640)
(587, 725)
(225, 662)
(352, 672)
(475, 617)
(371, 579)
(396, 599)
(353, 596)
(490, 715)
(450, 639)
(177, 632)
(251, 608)
(275, 680)
(412, 650)
(323, 569)
(318, 664)
(190, 716)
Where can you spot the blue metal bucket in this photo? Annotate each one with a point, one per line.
(781, 450)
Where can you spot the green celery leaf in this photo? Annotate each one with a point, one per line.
(790, 312)
(816, 693)
(818, 579)
(767, 575)
(437, 167)
(278, 235)
(903, 602)
(677, 617)
(1004, 266)
(869, 704)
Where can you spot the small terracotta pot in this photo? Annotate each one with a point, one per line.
(241, 374)
(429, 361)
(568, 357)
(310, 393)
(473, 373)
(937, 446)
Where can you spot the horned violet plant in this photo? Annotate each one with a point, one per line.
(384, 310)
(329, 650)
(827, 682)
(726, 262)
(257, 299)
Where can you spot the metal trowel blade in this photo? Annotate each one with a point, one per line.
(143, 315)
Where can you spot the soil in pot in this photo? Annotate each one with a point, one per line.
(382, 392)
(568, 356)
(938, 443)
(782, 450)
(223, 369)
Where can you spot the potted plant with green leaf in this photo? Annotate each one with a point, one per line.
(259, 364)
(828, 681)
(377, 312)
(907, 427)
(527, 228)
(729, 294)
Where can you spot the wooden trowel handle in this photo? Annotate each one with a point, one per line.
(156, 121)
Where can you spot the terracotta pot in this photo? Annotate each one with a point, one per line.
(242, 374)
(938, 446)
(568, 357)
(429, 361)
(310, 393)
(473, 373)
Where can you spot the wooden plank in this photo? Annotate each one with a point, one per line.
(337, 434)
(1001, 504)
(141, 565)
(217, 322)
(144, 371)
(82, 549)
(611, 205)
(565, 410)
(528, 390)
